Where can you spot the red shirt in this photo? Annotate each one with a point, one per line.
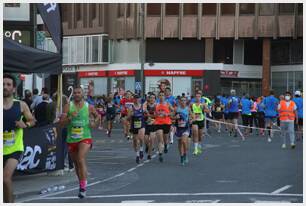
(126, 103)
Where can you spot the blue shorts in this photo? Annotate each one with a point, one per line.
(182, 131)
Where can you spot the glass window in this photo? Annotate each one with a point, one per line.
(291, 82)
(172, 9)
(298, 81)
(227, 9)
(153, 9)
(286, 8)
(105, 49)
(247, 9)
(300, 9)
(209, 9)
(65, 51)
(223, 51)
(95, 48)
(190, 9)
(279, 82)
(80, 50)
(253, 52)
(280, 52)
(266, 9)
(88, 49)
(296, 51)
(73, 51)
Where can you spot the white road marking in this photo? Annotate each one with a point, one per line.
(281, 189)
(137, 201)
(206, 146)
(178, 194)
(226, 181)
(271, 201)
(202, 201)
(234, 145)
(132, 169)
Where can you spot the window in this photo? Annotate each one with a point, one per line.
(172, 9)
(287, 81)
(95, 48)
(190, 9)
(12, 5)
(120, 10)
(253, 52)
(280, 52)
(78, 12)
(228, 9)
(266, 9)
(223, 51)
(209, 9)
(300, 9)
(153, 9)
(286, 8)
(105, 57)
(247, 9)
(296, 51)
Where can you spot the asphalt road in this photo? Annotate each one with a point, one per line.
(229, 170)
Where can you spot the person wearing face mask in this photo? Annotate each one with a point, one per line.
(287, 112)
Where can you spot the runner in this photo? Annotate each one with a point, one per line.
(13, 147)
(233, 115)
(197, 110)
(162, 123)
(171, 100)
(254, 118)
(110, 115)
(80, 118)
(298, 100)
(136, 115)
(100, 106)
(270, 103)
(224, 101)
(261, 115)
(126, 103)
(182, 113)
(287, 113)
(217, 112)
(246, 114)
(150, 134)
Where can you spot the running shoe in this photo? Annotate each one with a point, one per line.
(283, 146)
(149, 157)
(161, 159)
(219, 131)
(166, 148)
(147, 149)
(141, 155)
(199, 150)
(82, 193)
(269, 139)
(186, 159)
(108, 133)
(292, 146)
(137, 160)
(182, 161)
(196, 151)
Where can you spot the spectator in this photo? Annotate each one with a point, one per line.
(28, 97)
(38, 99)
(40, 111)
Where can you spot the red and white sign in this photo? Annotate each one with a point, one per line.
(193, 73)
(224, 73)
(121, 73)
(92, 74)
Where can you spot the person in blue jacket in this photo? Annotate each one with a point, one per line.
(246, 114)
(270, 104)
(233, 109)
(298, 100)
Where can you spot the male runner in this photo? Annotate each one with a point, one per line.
(126, 103)
(233, 115)
(197, 111)
(162, 123)
(13, 125)
(80, 118)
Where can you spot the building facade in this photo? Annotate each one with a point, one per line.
(190, 46)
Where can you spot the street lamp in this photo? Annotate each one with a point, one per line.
(142, 48)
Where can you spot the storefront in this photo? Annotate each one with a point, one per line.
(179, 81)
(122, 80)
(99, 79)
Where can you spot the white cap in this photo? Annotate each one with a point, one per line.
(298, 93)
(233, 91)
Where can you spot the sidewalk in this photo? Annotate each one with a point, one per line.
(28, 185)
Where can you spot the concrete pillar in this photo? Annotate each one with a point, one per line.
(209, 50)
(266, 66)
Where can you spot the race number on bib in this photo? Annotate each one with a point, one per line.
(77, 132)
(9, 138)
(137, 124)
(181, 123)
(197, 116)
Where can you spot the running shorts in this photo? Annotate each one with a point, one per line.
(15, 155)
(73, 147)
(199, 123)
(149, 129)
(233, 115)
(164, 127)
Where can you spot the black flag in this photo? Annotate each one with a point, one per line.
(50, 13)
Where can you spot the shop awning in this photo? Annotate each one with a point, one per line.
(23, 59)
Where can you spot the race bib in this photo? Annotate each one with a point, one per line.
(218, 109)
(9, 138)
(77, 132)
(197, 116)
(137, 124)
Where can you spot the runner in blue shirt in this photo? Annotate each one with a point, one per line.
(298, 100)
(270, 104)
(246, 114)
(233, 109)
